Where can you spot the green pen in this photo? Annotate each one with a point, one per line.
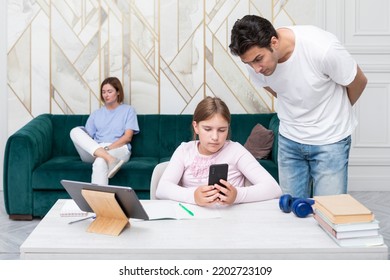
(186, 209)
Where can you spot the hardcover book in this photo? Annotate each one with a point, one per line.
(348, 226)
(346, 233)
(366, 241)
(343, 208)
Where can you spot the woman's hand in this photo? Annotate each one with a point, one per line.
(206, 195)
(227, 194)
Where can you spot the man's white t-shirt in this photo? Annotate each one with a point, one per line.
(312, 100)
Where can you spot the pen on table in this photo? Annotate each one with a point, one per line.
(186, 209)
(83, 219)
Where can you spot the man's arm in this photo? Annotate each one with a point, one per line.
(355, 89)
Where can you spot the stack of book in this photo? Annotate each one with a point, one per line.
(348, 222)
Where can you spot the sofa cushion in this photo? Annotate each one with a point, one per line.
(136, 173)
(260, 141)
(49, 174)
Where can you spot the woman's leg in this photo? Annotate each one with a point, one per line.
(84, 144)
(100, 168)
(87, 148)
(105, 163)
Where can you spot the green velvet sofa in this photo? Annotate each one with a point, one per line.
(41, 153)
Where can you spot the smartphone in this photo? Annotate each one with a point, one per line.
(217, 172)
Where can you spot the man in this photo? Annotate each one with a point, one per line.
(316, 82)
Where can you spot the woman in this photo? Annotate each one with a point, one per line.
(186, 176)
(105, 139)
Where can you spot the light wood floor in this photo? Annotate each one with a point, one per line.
(13, 233)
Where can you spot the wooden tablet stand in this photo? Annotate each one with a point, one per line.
(110, 218)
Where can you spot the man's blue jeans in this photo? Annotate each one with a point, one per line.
(323, 167)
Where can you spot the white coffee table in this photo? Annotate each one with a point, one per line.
(247, 231)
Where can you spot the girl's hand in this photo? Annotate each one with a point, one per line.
(206, 195)
(227, 194)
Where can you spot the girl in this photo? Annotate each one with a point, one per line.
(186, 176)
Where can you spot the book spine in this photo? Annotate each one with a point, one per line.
(349, 229)
(358, 241)
(325, 212)
(324, 225)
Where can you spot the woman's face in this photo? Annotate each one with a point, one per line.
(110, 95)
(212, 134)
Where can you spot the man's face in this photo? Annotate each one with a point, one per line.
(262, 60)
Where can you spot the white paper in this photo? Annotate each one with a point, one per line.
(167, 209)
(70, 209)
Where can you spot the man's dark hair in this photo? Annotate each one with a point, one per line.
(251, 31)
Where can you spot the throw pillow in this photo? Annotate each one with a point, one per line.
(260, 141)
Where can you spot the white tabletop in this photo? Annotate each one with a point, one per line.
(247, 231)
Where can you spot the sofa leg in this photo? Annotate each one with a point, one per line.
(18, 217)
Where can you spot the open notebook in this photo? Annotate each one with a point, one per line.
(167, 209)
(71, 209)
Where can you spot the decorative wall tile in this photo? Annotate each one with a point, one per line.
(168, 54)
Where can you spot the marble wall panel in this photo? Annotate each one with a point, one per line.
(168, 54)
(19, 69)
(40, 65)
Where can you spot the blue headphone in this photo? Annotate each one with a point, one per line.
(301, 207)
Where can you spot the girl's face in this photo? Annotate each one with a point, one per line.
(212, 134)
(109, 93)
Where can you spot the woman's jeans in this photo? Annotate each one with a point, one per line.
(86, 148)
(306, 170)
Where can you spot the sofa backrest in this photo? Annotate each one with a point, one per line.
(62, 125)
(179, 127)
(159, 134)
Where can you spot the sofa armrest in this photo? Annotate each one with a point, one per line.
(274, 126)
(26, 149)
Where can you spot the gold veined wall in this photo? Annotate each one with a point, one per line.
(168, 54)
